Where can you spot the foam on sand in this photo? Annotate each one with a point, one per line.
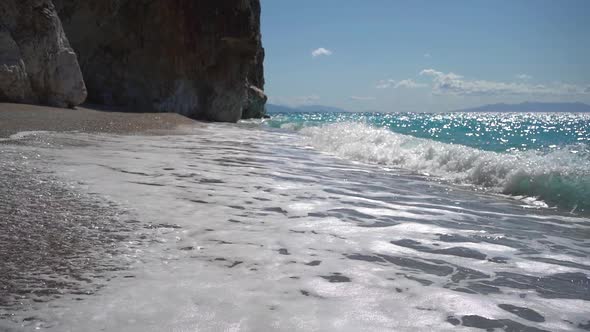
(250, 230)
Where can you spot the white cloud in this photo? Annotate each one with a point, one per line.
(409, 83)
(451, 83)
(524, 77)
(384, 84)
(321, 51)
(362, 98)
(427, 55)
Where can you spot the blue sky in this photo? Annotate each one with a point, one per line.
(388, 55)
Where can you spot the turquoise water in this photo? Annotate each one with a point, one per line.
(491, 131)
(540, 158)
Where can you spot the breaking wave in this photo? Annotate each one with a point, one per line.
(559, 177)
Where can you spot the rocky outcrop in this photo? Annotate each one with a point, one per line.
(200, 58)
(37, 64)
(255, 105)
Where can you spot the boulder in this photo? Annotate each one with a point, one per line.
(37, 64)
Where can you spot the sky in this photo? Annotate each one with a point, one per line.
(388, 55)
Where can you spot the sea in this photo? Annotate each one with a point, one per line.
(301, 222)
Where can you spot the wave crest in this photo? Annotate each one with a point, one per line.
(560, 177)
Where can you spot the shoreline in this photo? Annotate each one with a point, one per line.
(15, 118)
(56, 241)
(284, 231)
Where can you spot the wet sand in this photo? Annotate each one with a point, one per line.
(87, 118)
(55, 240)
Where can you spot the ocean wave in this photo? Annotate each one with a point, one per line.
(560, 177)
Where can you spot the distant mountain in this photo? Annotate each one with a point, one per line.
(272, 108)
(320, 108)
(531, 107)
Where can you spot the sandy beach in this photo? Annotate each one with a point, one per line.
(88, 118)
(57, 226)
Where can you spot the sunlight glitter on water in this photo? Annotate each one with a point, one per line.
(487, 131)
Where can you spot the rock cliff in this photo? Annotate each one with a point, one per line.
(37, 64)
(202, 59)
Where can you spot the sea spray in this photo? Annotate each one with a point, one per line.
(559, 177)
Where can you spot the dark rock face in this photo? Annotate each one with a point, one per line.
(37, 64)
(197, 58)
(255, 104)
(255, 108)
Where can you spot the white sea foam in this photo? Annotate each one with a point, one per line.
(271, 236)
(23, 134)
(559, 177)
